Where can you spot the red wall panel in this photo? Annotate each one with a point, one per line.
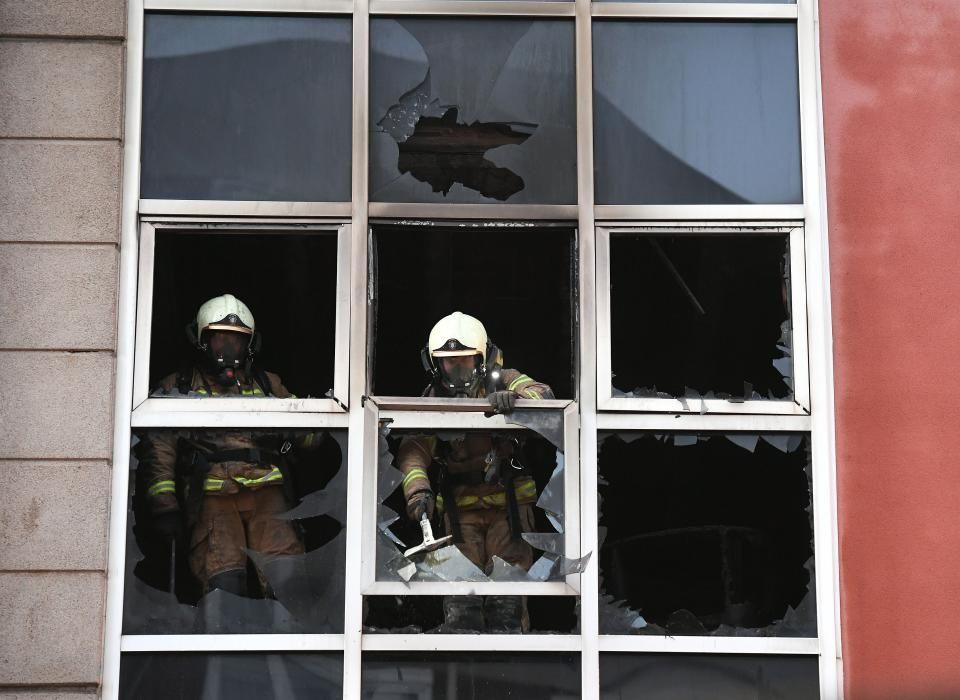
(891, 84)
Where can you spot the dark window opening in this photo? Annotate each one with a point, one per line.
(472, 111)
(416, 614)
(289, 282)
(279, 536)
(706, 534)
(232, 676)
(714, 676)
(519, 282)
(444, 675)
(700, 316)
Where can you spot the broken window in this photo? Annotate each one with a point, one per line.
(696, 316)
(246, 107)
(287, 280)
(232, 676)
(261, 549)
(472, 111)
(444, 675)
(519, 281)
(715, 676)
(696, 112)
(497, 510)
(706, 534)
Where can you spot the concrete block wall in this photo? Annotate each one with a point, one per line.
(61, 108)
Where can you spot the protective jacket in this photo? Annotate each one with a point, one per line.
(227, 460)
(475, 464)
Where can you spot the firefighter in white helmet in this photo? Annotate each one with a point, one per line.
(222, 488)
(486, 495)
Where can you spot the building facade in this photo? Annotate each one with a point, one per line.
(707, 226)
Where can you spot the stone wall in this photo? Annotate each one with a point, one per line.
(61, 107)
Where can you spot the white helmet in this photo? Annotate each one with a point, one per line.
(458, 335)
(225, 313)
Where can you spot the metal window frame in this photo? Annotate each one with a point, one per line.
(361, 419)
(471, 417)
(154, 411)
(799, 405)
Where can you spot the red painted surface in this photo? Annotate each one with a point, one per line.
(891, 82)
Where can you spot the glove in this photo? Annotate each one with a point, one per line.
(419, 503)
(502, 401)
(167, 524)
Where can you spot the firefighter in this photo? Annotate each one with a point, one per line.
(485, 492)
(221, 488)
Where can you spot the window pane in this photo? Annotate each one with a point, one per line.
(246, 108)
(471, 475)
(487, 675)
(698, 316)
(278, 276)
(261, 550)
(696, 113)
(714, 676)
(706, 534)
(519, 282)
(231, 676)
(477, 110)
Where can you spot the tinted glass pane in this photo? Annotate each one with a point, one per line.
(518, 282)
(261, 550)
(231, 676)
(698, 316)
(706, 534)
(487, 675)
(246, 108)
(477, 110)
(714, 676)
(276, 274)
(696, 113)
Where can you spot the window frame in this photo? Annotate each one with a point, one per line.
(362, 427)
(798, 405)
(149, 410)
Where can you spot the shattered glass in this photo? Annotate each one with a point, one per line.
(231, 676)
(706, 534)
(285, 593)
(696, 112)
(472, 111)
(718, 307)
(714, 676)
(247, 107)
(443, 675)
(397, 533)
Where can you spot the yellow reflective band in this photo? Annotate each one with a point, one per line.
(252, 392)
(201, 390)
(274, 475)
(530, 394)
(162, 487)
(519, 380)
(415, 473)
(210, 484)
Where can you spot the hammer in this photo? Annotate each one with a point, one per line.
(429, 544)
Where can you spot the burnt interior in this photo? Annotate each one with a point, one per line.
(707, 533)
(519, 281)
(442, 151)
(698, 312)
(417, 613)
(288, 281)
